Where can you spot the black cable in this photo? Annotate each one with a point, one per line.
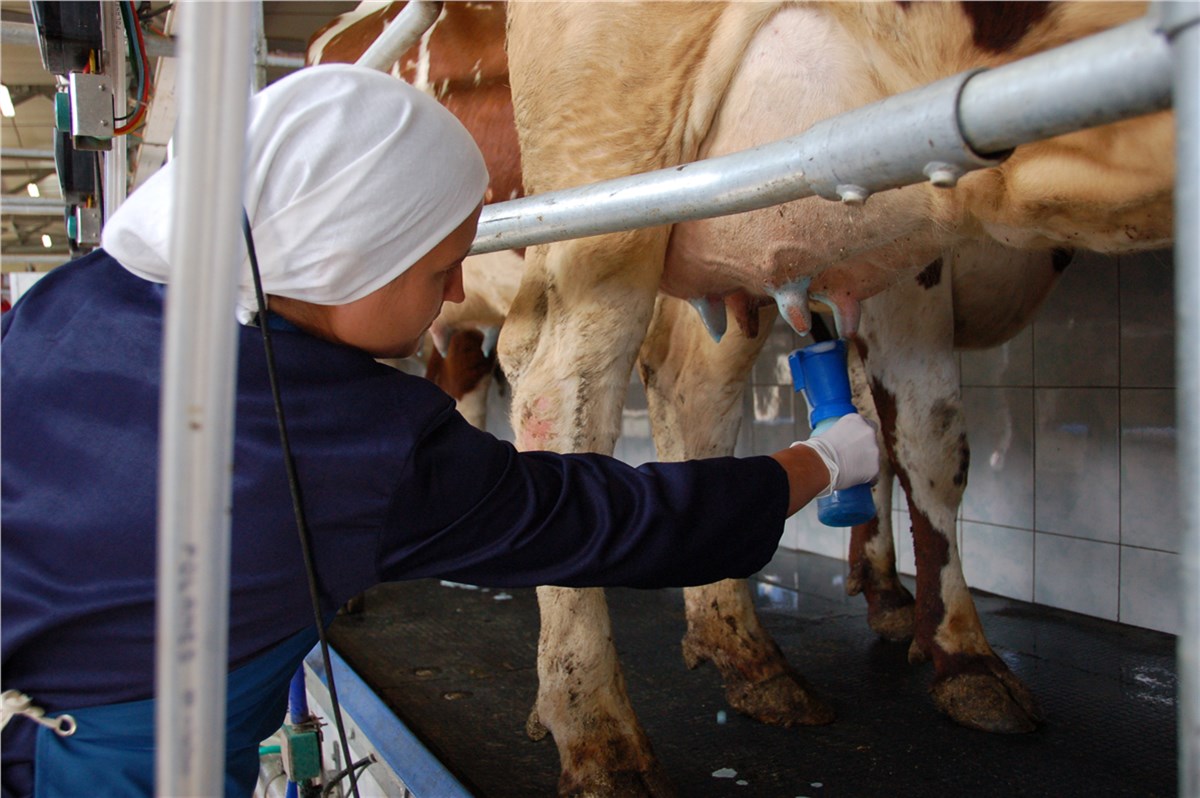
(297, 504)
(344, 772)
(152, 13)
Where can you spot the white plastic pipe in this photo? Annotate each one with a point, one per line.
(196, 420)
(1180, 24)
(404, 31)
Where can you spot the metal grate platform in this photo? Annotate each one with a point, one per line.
(457, 666)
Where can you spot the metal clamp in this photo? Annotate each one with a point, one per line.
(876, 148)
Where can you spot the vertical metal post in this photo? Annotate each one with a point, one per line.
(1179, 22)
(258, 33)
(196, 422)
(116, 166)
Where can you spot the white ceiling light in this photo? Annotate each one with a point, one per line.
(6, 106)
(46, 242)
(33, 190)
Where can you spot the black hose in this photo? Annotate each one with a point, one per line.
(297, 503)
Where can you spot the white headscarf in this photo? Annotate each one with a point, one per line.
(351, 177)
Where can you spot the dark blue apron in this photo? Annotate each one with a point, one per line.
(111, 752)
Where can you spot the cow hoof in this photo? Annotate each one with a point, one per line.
(786, 699)
(889, 608)
(534, 729)
(893, 623)
(993, 700)
(652, 783)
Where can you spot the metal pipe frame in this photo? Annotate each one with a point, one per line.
(116, 160)
(1179, 24)
(405, 31)
(877, 147)
(32, 206)
(28, 155)
(196, 421)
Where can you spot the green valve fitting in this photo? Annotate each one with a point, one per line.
(62, 111)
(301, 749)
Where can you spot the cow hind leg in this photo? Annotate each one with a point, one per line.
(694, 389)
(872, 561)
(914, 381)
(872, 557)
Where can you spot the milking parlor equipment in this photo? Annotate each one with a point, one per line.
(820, 372)
(935, 133)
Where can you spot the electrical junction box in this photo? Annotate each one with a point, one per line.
(89, 111)
(300, 748)
(87, 225)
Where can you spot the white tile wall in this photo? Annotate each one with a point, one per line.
(1001, 473)
(1071, 497)
(1150, 589)
(1076, 335)
(1077, 462)
(1147, 288)
(1009, 364)
(1150, 512)
(1076, 574)
(998, 559)
(1101, 452)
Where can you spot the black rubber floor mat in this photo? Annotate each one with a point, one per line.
(457, 665)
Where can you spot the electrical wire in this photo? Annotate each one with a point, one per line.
(297, 503)
(336, 778)
(135, 58)
(137, 46)
(152, 13)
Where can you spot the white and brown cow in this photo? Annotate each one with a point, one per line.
(460, 60)
(604, 90)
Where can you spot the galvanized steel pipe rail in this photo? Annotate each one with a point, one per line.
(935, 133)
(405, 30)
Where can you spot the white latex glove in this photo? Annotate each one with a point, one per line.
(849, 451)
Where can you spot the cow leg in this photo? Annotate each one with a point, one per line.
(872, 561)
(568, 348)
(582, 699)
(909, 339)
(694, 389)
(872, 557)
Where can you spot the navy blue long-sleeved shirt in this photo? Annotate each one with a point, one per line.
(395, 483)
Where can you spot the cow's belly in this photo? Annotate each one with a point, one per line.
(798, 69)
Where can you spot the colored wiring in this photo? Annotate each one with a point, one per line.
(134, 58)
(137, 47)
(137, 57)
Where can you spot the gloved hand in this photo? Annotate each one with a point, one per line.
(849, 451)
